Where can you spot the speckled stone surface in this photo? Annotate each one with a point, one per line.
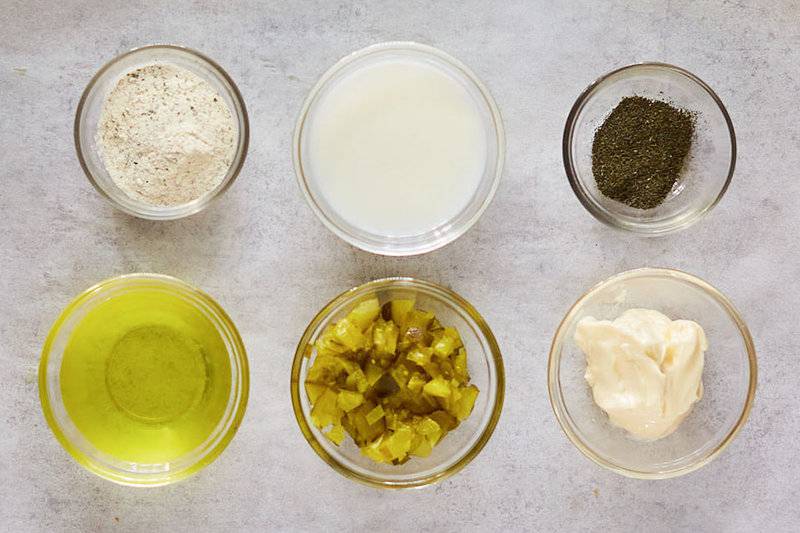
(261, 252)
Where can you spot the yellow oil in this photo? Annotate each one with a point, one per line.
(145, 377)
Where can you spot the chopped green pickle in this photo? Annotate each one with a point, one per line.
(393, 378)
(336, 435)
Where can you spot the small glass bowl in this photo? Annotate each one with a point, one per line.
(729, 376)
(90, 107)
(709, 166)
(70, 437)
(435, 237)
(458, 447)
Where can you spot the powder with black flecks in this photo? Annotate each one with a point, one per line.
(165, 135)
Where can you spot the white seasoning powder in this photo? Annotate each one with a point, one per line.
(165, 135)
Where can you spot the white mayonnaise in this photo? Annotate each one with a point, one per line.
(645, 370)
(396, 147)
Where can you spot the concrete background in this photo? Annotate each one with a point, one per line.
(261, 252)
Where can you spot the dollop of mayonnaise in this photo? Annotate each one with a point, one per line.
(645, 370)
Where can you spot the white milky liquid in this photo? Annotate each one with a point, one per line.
(397, 147)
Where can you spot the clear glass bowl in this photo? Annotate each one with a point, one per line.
(729, 375)
(435, 237)
(458, 447)
(709, 166)
(90, 106)
(70, 437)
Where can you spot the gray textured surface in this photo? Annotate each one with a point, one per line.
(264, 256)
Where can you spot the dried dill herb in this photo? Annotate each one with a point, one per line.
(639, 151)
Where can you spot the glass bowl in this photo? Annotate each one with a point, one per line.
(90, 106)
(729, 375)
(458, 447)
(71, 438)
(435, 237)
(709, 166)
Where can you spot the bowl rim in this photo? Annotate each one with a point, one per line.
(554, 359)
(297, 156)
(495, 357)
(181, 210)
(238, 359)
(569, 164)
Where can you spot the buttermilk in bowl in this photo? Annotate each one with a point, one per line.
(399, 149)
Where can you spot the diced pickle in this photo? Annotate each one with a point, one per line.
(328, 344)
(433, 369)
(314, 390)
(420, 356)
(365, 313)
(325, 370)
(437, 387)
(392, 419)
(445, 420)
(429, 428)
(445, 343)
(400, 374)
(392, 377)
(400, 310)
(416, 383)
(373, 373)
(445, 368)
(416, 329)
(396, 447)
(336, 435)
(384, 337)
(466, 402)
(419, 319)
(385, 386)
(363, 431)
(357, 380)
(347, 400)
(325, 410)
(349, 334)
(423, 448)
(374, 415)
(460, 366)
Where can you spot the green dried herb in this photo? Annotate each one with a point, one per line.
(639, 151)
